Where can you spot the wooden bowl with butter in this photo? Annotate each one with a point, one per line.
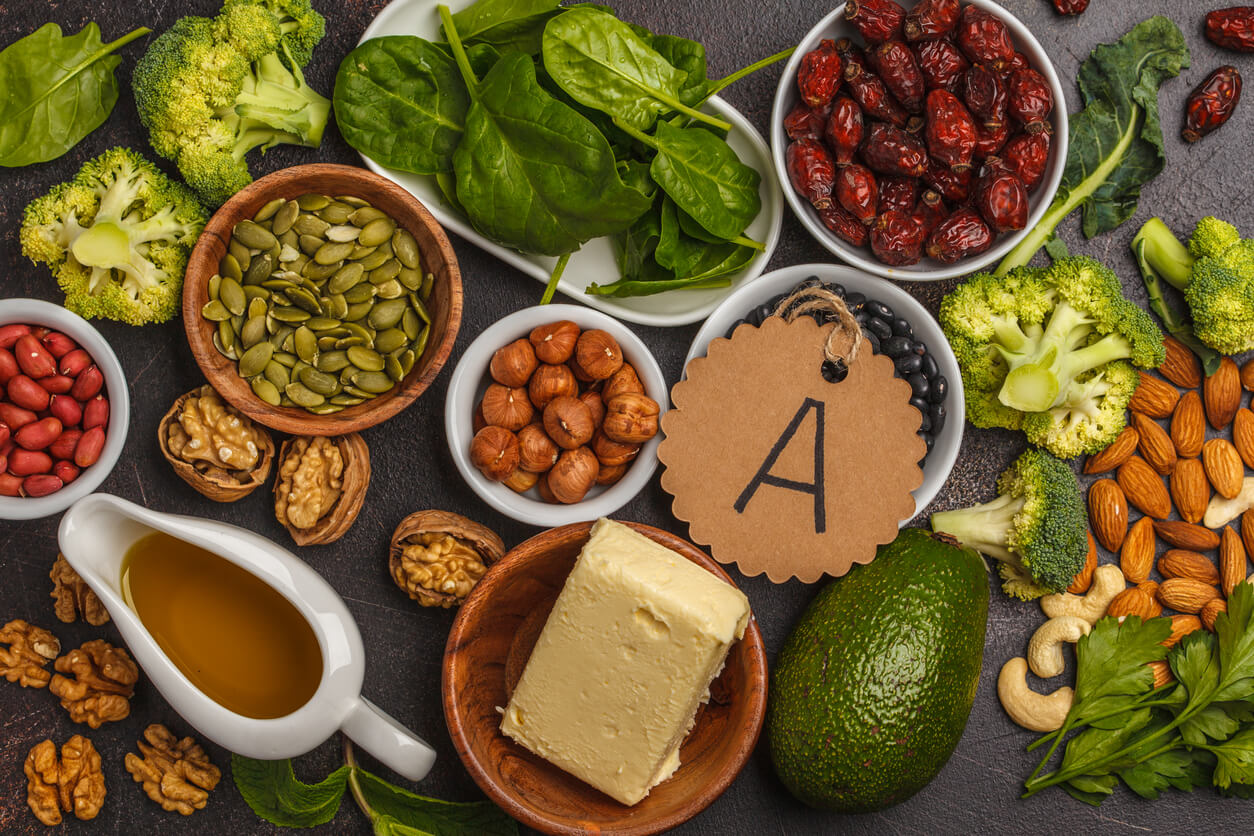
(488, 649)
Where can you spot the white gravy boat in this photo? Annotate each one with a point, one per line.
(96, 533)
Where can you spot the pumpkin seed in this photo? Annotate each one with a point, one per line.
(358, 310)
(332, 361)
(229, 266)
(385, 272)
(266, 390)
(351, 200)
(254, 331)
(301, 395)
(324, 384)
(336, 213)
(306, 344)
(268, 211)
(349, 342)
(215, 311)
(342, 233)
(365, 215)
(288, 343)
(392, 366)
(253, 291)
(302, 298)
(291, 238)
(285, 217)
(372, 258)
(411, 324)
(332, 253)
(322, 323)
(212, 286)
(298, 367)
(347, 400)
(335, 305)
(353, 391)
(405, 247)
(326, 343)
(407, 358)
(365, 359)
(310, 225)
(428, 282)
(420, 308)
(420, 344)
(232, 296)
(253, 235)
(259, 270)
(362, 292)
(376, 232)
(286, 314)
(286, 359)
(256, 306)
(411, 279)
(313, 202)
(319, 272)
(385, 342)
(309, 244)
(226, 334)
(324, 409)
(253, 361)
(391, 289)
(241, 253)
(277, 374)
(387, 313)
(374, 382)
(223, 350)
(345, 277)
(366, 335)
(288, 254)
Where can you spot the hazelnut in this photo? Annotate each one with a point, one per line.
(630, 418)
(611, 452)
(573, 475)
(537, 452)
(609, 474)
(506, 407)
(592, 399)
(555, 342)
(622, 382)
(568, 421)
(513, 364)
(494, 450)
(521, 481)
(542, 485)
(551, 382)
(598, 354)
(477, 421)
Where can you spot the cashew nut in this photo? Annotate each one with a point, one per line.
(1045, 648)
(1107, 583)
(1035, 712)
(1222, 511)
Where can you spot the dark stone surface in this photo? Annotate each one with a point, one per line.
(977, 791)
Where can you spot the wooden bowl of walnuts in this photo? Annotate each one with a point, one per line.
(552, 415)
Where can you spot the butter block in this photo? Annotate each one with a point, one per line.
(625, 659)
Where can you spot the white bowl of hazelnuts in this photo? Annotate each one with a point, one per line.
(552, 415)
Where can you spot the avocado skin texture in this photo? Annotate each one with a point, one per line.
(874, 685)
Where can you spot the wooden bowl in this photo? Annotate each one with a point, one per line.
(438, 258)
(487, 649)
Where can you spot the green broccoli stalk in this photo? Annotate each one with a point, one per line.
(117, 238)
(211, 90)
(1036, 527)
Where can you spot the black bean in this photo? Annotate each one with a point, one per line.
(873, 341)
(938, 414)
(902, 328)
(854, 300)
(880, 309)
(926, 425)
(734, 326)
(907, 364)
(918, 348)
(919, 386)
(919, 403)
(940, 388)
(837, 288)
(929, 368)
(896, 346)
(878, 327)
(834, 372)
(931, 440)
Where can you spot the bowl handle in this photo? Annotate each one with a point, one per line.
(381, 735)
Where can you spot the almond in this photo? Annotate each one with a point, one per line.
(1162, 673)
(1221, 393)
(1243, 435)
(1150, 588)
(1132, 601)
(1188, 426)
(1185, 535)
(1190, 490)
(1182, 563)
(1181, 626)
(1144, 488)
(1084, 578)
(1186, 594)
(1231, 560)
(1247, 531)
(1247, 374)
(1108, 513)
(1117, 452)
(1223, 467)
(1210, 611)
(1136, 558)
(1155, 445)
(1154, 397)
(1181, 365)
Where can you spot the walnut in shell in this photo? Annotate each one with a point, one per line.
(215, 448)
(321, 486)
(437, 557)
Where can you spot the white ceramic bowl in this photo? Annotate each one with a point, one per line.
(470, 380)
(835, 26)
(738, 305)
(36, 312)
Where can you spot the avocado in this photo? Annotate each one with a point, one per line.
(874, 685)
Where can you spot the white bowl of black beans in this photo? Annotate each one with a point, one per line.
(893, 323)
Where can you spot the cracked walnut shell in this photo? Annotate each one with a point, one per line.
(104, 680)
(437, 557)
(72, 784)
(74, 597)
(29, 649)
(215, 448)
(175, 773)
(321, 486)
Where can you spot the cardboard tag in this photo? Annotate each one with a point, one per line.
(780, 471)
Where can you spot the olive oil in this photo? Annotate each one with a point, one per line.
(234, 636)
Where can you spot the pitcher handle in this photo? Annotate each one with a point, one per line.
(381, 735)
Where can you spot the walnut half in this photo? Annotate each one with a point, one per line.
(321, 486)
(437, 557)
(72, 784)
(74, 597)
(104, 681)
(175, 773)
(214, 447)
(29, 650)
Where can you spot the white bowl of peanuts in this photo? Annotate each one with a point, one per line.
(64, 409)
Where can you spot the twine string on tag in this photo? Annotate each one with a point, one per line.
(845, 340)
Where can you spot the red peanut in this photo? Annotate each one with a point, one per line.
(57, 384)
(29, 462)
(8, 365)
(87, 384)
(96, 412)
(68, 410)
(89, 447)
(4, 435)
(27, 394)
(15, 416)
(41, 485)
(58, 344)
(75, 362)
(10, 485)
(9, 334)
(65, 471)
(39, 435)
(33, 357)
(63, 447)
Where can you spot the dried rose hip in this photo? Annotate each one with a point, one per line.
(870, 93)
(1030, 99)
(962, 234)
(897, 238)
(1027, 155)
(932, 19)
(1001, 197)
(954, 186)
(892, 151)
(1232, 28)
(984, 38)
(877, 20)
(986, 96)
(942, 65)
(811, 171)
(930, 212)
(857, 191)
(844, 130)
(898, 193)
(1210, 104)
(950, 130)
(895, 64)
(1070, 7)
(988, 143)
(820, 74)
(803, 122)
(843, 225)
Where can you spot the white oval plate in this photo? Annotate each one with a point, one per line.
(595, 262)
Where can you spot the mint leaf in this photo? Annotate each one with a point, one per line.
(1236, 760)
(1236, 645)
(1111, 661)
(409, 814)
(272, 789)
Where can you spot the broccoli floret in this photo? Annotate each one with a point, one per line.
(1036, 526)
(211, 90)
(1092, 415)
(117, 238)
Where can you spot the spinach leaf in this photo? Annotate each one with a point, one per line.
(603, 64)
(402, 812)
(508, 25)
(636, 174)
(691, 227)
(273, 791)
(688, 57)
(57, 90)
(636, 247)
(705, 178)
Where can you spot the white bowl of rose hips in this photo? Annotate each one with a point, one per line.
(956, 225)
(64, 409)
(552, 415)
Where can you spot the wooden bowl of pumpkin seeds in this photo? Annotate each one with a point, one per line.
(322, 299)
